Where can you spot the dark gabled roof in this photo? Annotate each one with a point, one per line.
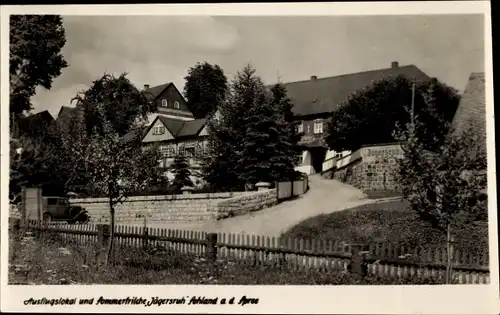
(180, 128)
(174, 126)
(325, 95)
(192, 127)
(66, 111)
(471, 111)
(43, 116)
(35, 123)
(155, 91)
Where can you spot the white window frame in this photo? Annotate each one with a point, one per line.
(300, 128)
(318, 127)
(164, 102)
(177, 105)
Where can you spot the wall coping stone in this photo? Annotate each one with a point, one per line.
(262, 186)
(222, 195)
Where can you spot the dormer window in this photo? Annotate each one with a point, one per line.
(318, 127)
(164, 102)
(176, 105)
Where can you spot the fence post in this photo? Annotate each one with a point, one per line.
(277, 184)
(358, 265)
(145, 237)
(212, 247)
(103, 234)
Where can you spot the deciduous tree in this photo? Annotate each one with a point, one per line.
(35, 57)
(371, 115)
(116, 169)
(206, 87)
(124, 106)
(112, 114)
(447, 186)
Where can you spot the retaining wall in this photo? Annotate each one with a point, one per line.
(167, 208)
(244, 204)
(175, 208)
(371, 167)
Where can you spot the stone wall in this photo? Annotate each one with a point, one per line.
(244, 204)
(167, 208)
(176, 208)
(371, 167)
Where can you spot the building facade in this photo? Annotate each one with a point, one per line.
(174, 129)
(317, 98)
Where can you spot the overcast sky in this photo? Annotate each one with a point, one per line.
(156, 50)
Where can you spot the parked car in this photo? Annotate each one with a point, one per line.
(59, 209)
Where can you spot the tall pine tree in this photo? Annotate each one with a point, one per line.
(289, 135)
(255, 140)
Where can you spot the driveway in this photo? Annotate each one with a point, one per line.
(325, 196)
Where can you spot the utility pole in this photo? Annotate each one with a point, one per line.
(413, 103)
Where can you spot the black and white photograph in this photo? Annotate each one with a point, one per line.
(247, 149)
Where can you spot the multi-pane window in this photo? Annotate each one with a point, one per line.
(164, 102)
(176, 105)
(300, 128)
(169, 152)
(182, 150)
(158, 130)
(318, 127)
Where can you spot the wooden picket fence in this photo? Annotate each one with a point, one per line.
(380, 260)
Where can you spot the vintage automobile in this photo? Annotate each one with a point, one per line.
(59, 209)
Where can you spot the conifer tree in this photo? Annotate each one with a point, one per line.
(256, 139)
(182, 173)
(224, 166)
(289, 135)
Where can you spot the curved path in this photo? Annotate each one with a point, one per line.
(325, 196)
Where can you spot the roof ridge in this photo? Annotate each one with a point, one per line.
(355, 73)
(152, 87)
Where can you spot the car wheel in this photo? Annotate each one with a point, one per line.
(47, 218)
(84, 218)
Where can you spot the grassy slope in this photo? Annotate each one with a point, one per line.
(390, 222)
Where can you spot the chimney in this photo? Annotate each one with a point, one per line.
(394, 64)
(314, 77)
(146, 86)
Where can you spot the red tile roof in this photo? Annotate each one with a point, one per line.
(325, 95)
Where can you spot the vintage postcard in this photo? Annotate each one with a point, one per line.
(249, 158)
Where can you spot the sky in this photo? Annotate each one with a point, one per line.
(158, 49)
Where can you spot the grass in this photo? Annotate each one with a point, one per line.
(46, 259)
(390, 223)
(376, 194)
